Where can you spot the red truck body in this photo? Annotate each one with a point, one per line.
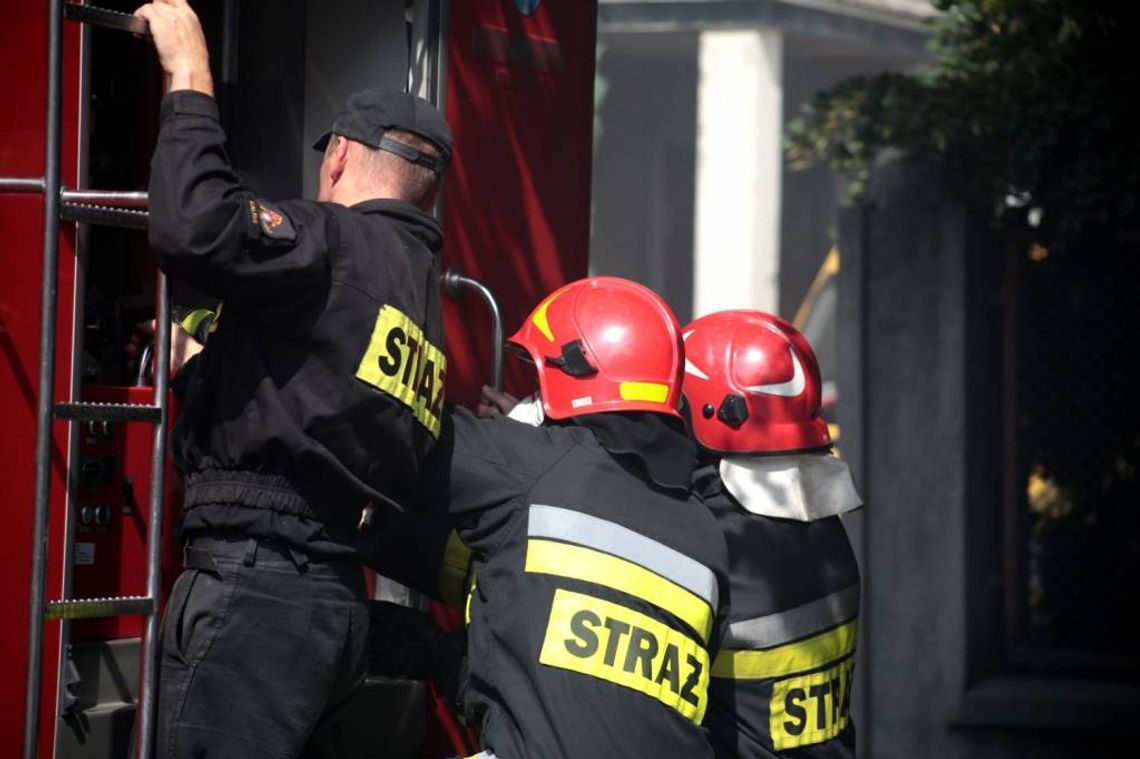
(519, 95)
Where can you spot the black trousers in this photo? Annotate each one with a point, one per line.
(260, 650)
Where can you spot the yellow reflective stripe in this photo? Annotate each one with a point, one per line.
(653, 392)
(608, 641)
(588, 565)
(454, 570)
(401, 362)
(802, 656)
(539, 317)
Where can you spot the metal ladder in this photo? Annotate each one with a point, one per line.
(123, 209)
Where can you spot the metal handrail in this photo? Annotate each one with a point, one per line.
(454, 281)
(49, 291)
(144, 364)
(21, 184)
(149, 675)
(134, 199)
(107, 198)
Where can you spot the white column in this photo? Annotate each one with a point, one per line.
(739, 162)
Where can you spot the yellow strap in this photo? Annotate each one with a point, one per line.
(454, 571)
(588, 565)
(781, 661)
(193, 320)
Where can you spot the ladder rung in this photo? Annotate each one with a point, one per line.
(108, 412)
(88, 14)
(130, 218)
(88, 608)
(137, 199)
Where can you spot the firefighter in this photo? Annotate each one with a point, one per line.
(598, 584)
(318, 392)
(781, 684)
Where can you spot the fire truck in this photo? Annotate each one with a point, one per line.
(87, 552)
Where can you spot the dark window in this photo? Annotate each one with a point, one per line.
(1072, 460)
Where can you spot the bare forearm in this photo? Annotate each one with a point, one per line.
(197, 79)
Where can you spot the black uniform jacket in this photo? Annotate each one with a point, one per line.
(781, 683)
(599, 582)
(321, 388)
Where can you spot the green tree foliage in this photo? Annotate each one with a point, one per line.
(1033, 99)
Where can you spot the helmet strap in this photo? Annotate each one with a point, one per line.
(573, 360)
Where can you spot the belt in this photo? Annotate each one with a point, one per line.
(203, 552)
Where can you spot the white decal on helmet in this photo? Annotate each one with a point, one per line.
(789, 389)
(690, 367)
(693, 369)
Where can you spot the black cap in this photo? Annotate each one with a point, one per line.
(368, 113)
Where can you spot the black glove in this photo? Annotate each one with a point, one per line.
(406, 642)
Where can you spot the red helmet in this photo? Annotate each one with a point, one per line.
(752, 384)
(604, 344)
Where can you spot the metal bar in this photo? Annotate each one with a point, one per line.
(144, 362)
(115, 198)
(108, 412)
(148, 700)
(21, 184)
(1011, 492)
(65, 700)
(92, 608)
(454, 281)
(111, 198)
(44, 418)
(441, 22)
(231, 13)
(439, 15)
(109, 19)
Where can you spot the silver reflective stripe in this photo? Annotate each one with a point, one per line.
(602, 535)
(786, 626)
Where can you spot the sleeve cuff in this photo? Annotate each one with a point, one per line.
(188, 102)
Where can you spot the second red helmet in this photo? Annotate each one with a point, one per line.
(752, 383)
(604, 344)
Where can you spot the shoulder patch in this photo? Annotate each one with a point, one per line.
(270, 222)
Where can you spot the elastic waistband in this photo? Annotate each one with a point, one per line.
(255, 490)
